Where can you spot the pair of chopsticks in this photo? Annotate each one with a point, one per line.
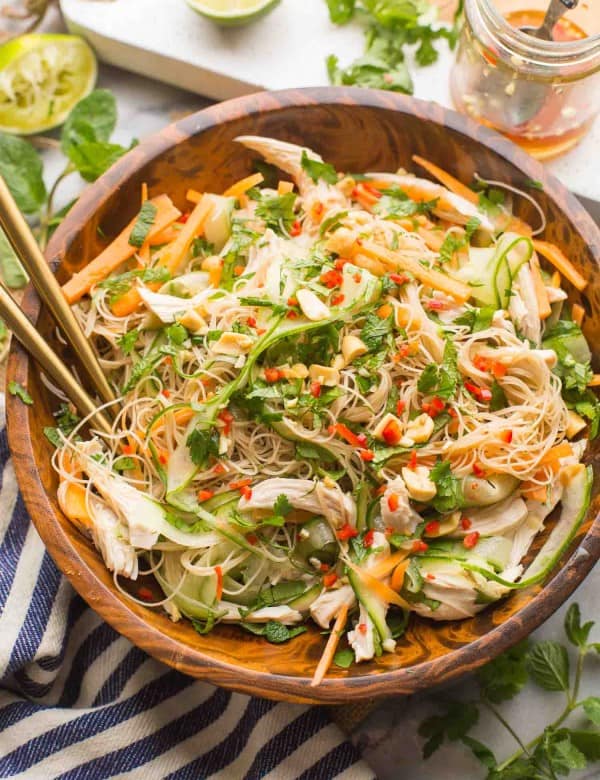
(26, 247)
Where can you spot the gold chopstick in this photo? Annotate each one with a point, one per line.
(26, 247)
(26, 333)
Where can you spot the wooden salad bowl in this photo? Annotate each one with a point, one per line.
(356, 130)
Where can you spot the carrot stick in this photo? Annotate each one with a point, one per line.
(118, 251)
(193, 196)
(243, 185)
(330, 647)
(433, 238)
(558, 259)
(175, 252)
(397, 580)
(144, 192)
(595, 381)
(534, 491)
(164, 237)
(283, 187)
(578, 313)
(540, 290)
(461, 292)
(385, 567)
(449, 182)
(562, 450)
(180, 417)
(381, 590)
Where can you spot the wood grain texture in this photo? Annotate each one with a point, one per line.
(357, 130)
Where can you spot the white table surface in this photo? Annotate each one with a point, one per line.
(388, 737)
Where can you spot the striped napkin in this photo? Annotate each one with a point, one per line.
(79, 701)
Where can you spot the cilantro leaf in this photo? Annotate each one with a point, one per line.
(370, 71)
(481, 752)
(476, 319)
(66, 422)
(14, 388)
(128, 340)
(120, 284)
(277, 211)
(318, 170)
(396, 203)
(282, 506)
(548, 665)
(451, 244)
(203, 443)
(499, 399)
(143, 224)
(449, 492)
(375, 331)
(123, 463)
(454, 724)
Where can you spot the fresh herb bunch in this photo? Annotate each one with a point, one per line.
(391, 26)
(559, 749)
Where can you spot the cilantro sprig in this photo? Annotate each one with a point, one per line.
(560, 748)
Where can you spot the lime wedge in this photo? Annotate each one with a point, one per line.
(232, 13)
(41, 78)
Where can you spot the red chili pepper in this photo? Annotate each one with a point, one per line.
(485, 394)
(412, 463)
(482, 363)
(330, 579)
(252, 538)
(246, 493)
(331, 278)
(272, 374)
(393, 502)
(435, 304)
(341, 262)
(367, 455)
(478, 469)
(240, 483)
(471, 540)
(400, 407)
(166, 393)
(292, 315)
(452, 412)
(345, 433)
(296, 228)
(127, 449)
(347, 532)
(433, 528)
(292, 301)
(260, 331)
(227, 418)
(362, 627)
(184, 218)
(433, 407)
(336, 300)
(362, 439)
(145, 594)
(392, 433)
(506, 436)
(251, 322)
(219, 469)
(370, 188)
(399, 278)
(324, 567)
(238, 270)
(162, 458)
(219, 573)
(430, 576)
(204, 495)
(368, 539)
(499, 369)
(419, 546)
(465, 523)
(315, 389)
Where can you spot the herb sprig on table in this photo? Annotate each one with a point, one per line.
(560, 748)
(391, 26)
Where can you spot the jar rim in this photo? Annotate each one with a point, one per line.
(527, 46)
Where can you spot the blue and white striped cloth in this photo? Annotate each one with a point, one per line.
(79, 701)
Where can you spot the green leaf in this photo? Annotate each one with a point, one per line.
(203, 443)
(282, 506)
(395, 202)
(443, 379)
(121, 283)
(123, 464)
(591, 707)
(176, 334)
(341, 11)
(318, 170)
(21, 166)
(449, 492)
(506, 675)
(521, 769)
(375, 331)
(588, 742)
(277, 211)
(480, 751)
(143, 224)
(128, 341)
(371, 71)
(93, 158)
(451, 244)
(276, 633)
(206, 626)
(11, 269)
(548, 665)
(560, 752)
(344, 658)
(93, 119)
(459, 718)
(14, 388)
(499, 399)
(577, 634)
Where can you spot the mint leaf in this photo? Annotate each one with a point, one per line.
(11, 269)
(476, 319)
(548, 665)
(276, 633)
(591, 707)
(588, 742)
(458, 719)
(318, 170)
(21, 166)
(577, 634)
(92, 159)
(93, 119)
(375, 331)
(143, 224)
(206, 626)
(443, 379)
(14, 388)
(480, 751)
(504, 677)
(344, 658)
(560, 752)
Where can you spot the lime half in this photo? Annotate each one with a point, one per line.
(41, 78)
(232, 13)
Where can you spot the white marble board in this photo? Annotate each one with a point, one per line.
(166, 40)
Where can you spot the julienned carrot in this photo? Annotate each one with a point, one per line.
(438, 281)
(383, 568)
(397, 580)
(577, 313)
(541, 295)
(445, 178)
(174, 253)
(433, 238)
(559, 260)
(72, 503)
(534, 491)
(330, 647)
(193, 196)
(381, 590)
(180, 416)
(164, 237)
(594, 381)
(118, 251)
(243, 185)
(562, 450)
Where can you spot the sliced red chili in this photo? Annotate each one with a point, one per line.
(330, 579)
(433, 527)
(368, 539)
(471, 540)
(419, 546)
(346, 532)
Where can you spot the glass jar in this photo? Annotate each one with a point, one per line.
(543, 95)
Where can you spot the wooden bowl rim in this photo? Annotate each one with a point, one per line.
(131, 625)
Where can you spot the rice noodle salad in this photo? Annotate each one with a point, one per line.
(343, 398)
